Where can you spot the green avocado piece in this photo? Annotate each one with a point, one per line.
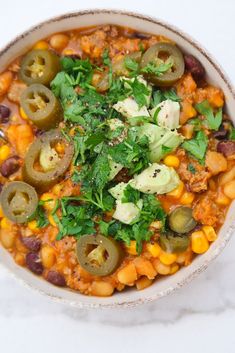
(161, 140)
(156, 179)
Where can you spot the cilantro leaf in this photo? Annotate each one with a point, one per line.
(213, 121)
(131, 65)
(139, 91)
(172, 95)
(191, 168)
(158, 70)
(197, 146)
(130, 195)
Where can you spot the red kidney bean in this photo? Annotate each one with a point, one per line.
(32, 243)
(194, 66)
(226, 147)
(10, 166)
(122, 176)
(56, 278)
(33, 263)
(4, 114)
(221, 134)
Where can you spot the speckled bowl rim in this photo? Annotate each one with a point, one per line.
(217, 250)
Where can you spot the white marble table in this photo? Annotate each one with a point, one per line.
(200, 317)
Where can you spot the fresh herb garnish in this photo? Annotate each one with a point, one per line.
(191, 168)
(157, 69)
(197, 146)
(213, 121)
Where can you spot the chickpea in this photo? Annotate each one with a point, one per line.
(48, 256)
(7, 238)
(229, 189)
(59, 41)
(5, 81)
(19, 259)
(101, 289)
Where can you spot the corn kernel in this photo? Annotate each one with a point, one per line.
(174, 268)
(1, 213)
(57, 189)
(131, 249)
(167, 258)
(153, 249)
(200, 243)
(51, 220)
(33, 226)
(23, 114)
(171, 161)
(187, 198)
(5, 223)
(4, 152)
(42, 44)
(68, 52)
(48, 205)
(177, 192)
(210, 233)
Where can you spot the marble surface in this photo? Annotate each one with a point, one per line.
(198, 318)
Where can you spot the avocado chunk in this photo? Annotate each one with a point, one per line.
(117, 190)
(168, 115)
(161, 140)
(114, 168)
(156, 179)
(127, 212)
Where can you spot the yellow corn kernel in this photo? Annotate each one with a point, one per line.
(131, 249)
(48, 256)
(153, 249)
(177, 192)
(210, 233)
(200, 243)
(42, 44)
(143, 283)
(51, 220)
(187, 198)
(33, 226)
(48, 205)
(171, 161)
(4, 152)
(59, 147)
(1, 213)
(23, 114)
(68, 52)
(5, 223)
(167, 258)
(174, 269)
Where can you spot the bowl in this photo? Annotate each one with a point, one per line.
(215, 75)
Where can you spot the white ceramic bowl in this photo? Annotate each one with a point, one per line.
(215, 75)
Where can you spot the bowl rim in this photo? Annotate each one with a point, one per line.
(222, 74)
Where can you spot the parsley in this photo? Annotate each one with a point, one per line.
(232, 134)
(132, 152)
(213, 121)
(159, 96)
(131, 65)
(158, 70)
(40, 215)
(130, 195)
(107, 62)
(197, 146)
(191, 168)
(139, 91)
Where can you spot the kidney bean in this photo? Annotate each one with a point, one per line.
(194, 66)
(122, 176)
(10, 166)
(226, 147)
(140, 35)
(33, 263)
(221, 134)
(56, 278)
(4, 114)
(32, 243)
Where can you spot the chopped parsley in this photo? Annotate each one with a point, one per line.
(157, 69)
(213, 120)
(197, 146)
